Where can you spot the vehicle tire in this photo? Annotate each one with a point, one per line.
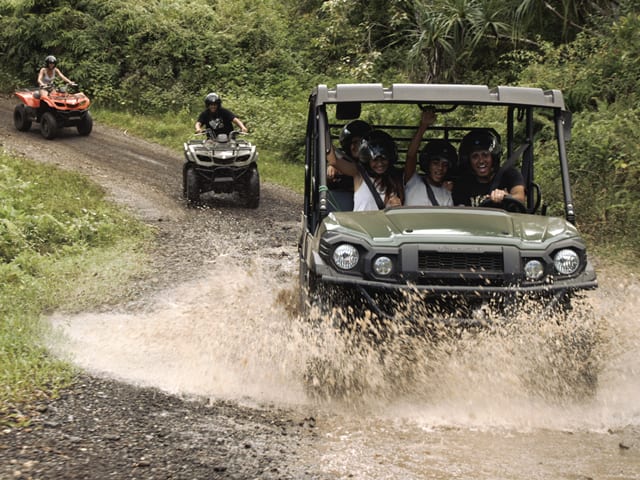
(21, 118)
(86, 124)
(49, 126)
(192, 189)
(307, 294)
(252, 189)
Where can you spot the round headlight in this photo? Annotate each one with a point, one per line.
(566, 262)
(383, 266)
(346, 256)
(534, 270)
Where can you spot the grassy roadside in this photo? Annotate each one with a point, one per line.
(62, 246)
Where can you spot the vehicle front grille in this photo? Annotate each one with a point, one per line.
(460, 262)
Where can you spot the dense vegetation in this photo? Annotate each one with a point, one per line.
(161, 56)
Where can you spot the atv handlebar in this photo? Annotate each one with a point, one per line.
(62, 89)
(210, 134)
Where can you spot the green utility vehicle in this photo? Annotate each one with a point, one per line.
(454, 262)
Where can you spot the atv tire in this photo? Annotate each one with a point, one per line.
(252, 189)
(49, 126)
(192, 189)
(85, 125)
(21, 118)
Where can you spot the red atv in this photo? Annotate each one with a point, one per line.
(59, 109)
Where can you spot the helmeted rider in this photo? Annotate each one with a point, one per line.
(48, 74)
(376, 157)
(436, 158)
(480, 153)
(216, 118)
(350, 139)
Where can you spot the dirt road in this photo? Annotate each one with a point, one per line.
(107, 429)
(199, 373)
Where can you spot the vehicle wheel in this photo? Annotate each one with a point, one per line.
(307, 295)
(21, 118)
(192, 188)
(252, 189)
(49, 126)
(86, 124)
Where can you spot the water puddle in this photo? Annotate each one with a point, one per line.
(510, 403)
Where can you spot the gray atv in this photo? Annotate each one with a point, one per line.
(221, 164)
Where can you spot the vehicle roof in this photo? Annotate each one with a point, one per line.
(438, 94)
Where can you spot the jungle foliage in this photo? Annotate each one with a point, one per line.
(162, 56)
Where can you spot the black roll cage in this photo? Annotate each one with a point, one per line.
(318, 142)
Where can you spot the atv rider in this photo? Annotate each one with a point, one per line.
(217, 119)
(48, 74)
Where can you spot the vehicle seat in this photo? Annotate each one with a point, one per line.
(339, 201)
(340, 193)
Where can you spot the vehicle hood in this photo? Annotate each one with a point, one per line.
(457, 225)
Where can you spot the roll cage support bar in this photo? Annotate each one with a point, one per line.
(562, 122)
(319, 136)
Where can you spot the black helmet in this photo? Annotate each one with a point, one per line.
(212, 98)
(356, 128)
(50, 59)
(438, 149)
(480, 140)
(376, 144)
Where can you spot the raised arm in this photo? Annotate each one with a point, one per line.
(426, 120)
(342, 164)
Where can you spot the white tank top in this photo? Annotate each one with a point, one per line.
(363, 199)
(48, 79)
(415, 192)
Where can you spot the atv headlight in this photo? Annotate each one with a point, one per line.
(534, 270)
(566, 261)
(383, 266)
(346, 256)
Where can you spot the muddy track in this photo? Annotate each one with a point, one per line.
(103, 428)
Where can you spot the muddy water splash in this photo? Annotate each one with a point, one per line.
(503, 404)
(223, 335)
(231, 335)
(516, 401)
(528, 371)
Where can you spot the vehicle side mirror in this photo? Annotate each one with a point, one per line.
(348, 110)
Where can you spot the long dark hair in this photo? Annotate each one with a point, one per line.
(390, 182)
(379, 143)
